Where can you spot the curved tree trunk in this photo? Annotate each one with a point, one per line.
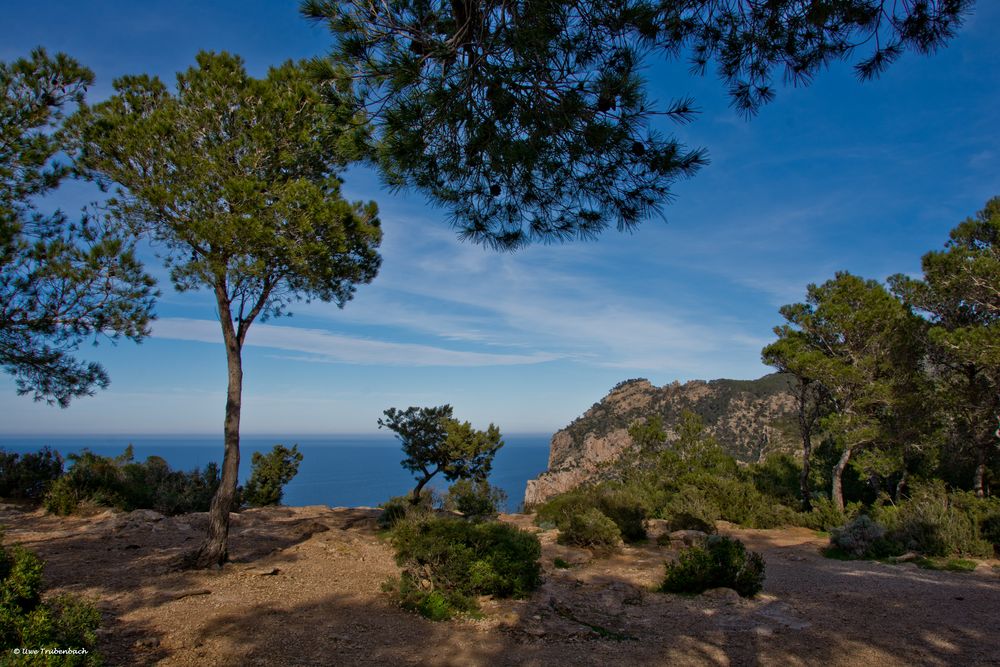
(415, 498)
(214, 550)
(837, 492)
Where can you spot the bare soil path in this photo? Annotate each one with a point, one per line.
(305, 589)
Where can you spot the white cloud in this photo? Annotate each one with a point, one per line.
(335, 348)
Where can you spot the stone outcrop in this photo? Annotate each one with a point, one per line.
(749, 418)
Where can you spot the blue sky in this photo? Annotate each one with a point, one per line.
(835, 176)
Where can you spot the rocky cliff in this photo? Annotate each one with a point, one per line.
(749, 418)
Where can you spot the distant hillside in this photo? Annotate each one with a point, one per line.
(749, 418)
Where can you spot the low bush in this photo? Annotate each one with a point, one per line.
(625, 508)
(398, 508)
(825, 515)
(777, 477)
(932, 522)
(29, 476)
(447, 562)
(989, 529)
(593, 530)
(27, 622)
(620, 504)
(476, 499)
(936, 523)
(690, 509)
(124, 484)
(269, 474)
(722, 563)
(558, 510)
(859, 538)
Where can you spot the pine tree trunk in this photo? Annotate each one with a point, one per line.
(979, 477)
(837, 492)
(214, 550)
(804, 477)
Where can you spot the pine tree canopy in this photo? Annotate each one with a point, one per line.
(528, 120)
(61, 281)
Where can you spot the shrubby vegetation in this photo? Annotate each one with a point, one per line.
(125, 484)
(692, 483)
(447, 562)
(29, 476)
(26, 620)
(592, 529)
(476, 499)
(898, 396)
(398, 508)
(931, 522)
(721, 563)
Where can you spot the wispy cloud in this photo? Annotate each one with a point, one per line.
(542, 299)
(319, 345)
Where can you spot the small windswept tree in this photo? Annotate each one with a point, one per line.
(434, 442)
(236, 181)
(269, 475)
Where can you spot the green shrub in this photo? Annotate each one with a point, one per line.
(723, 562)
(269, 474)
(124, 484)
(740, 502)
(398, 508)
(29, 476)
(859, 538)
(478, 499)
(28, 622)
(621, 504)
(937, 523)
(62, 497)
(447, 562)
(777, 477)
(625, 509)
(593, 530)
(824, 516)
(558, 510)
(989, 529)
(690, 509)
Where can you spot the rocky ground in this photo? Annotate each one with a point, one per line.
(304, 588)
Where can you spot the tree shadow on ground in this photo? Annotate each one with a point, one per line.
(128, 561)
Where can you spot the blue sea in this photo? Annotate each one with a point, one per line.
(335, 470)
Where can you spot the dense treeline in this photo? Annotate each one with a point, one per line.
(902, 381)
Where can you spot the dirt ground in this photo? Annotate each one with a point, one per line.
(304, 588)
